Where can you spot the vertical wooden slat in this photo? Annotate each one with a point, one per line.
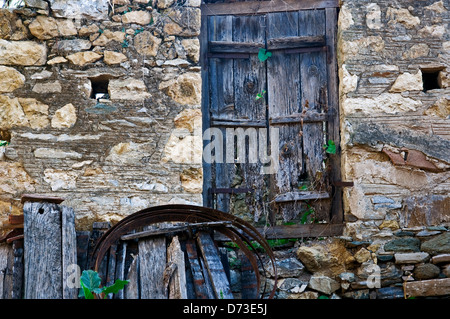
(214, 266)
(314, 79)
(111, 272)
(120, 266)
(249, 289)
(177, 283)
(4, 256)
(285, 95)
(207, 169)
(18, 270)
(68, 249)
(42, 255)
(82, 249)
(152, 262)
(221, 99)
(249, 80)
(201, 290)
(132, 290)
(337, 214)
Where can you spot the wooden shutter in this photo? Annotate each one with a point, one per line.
(300, 85)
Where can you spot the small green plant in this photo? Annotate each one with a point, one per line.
(260, 95)
(263, 54)
(3, 143)
(125, 43)
(90, 286)
(330, 147)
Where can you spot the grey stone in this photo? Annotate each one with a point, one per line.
(411, 258)
(437, 245)
(390, 293)
(39, 4)
(69, 46)
(406, 244)
(357, 294)
(95, 10)
(443, 258)
(289, 267)
(426, 271)
(324, 284)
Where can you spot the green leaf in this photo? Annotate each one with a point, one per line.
(330, 147)
(114, 288)
(263, 54)
(85, 291)
(3, 143)
(91, 280)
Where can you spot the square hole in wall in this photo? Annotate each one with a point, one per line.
(99, 87)
(430, 78)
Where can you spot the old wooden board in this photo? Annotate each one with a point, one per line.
(42, 229)
(68, 250)
(214, 266)
(4, 256)
(284, 99)
(177, 280)
(152, 263)
(201, 290)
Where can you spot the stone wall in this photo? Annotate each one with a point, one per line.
(394, 71)
(107, 156)
(140, 145)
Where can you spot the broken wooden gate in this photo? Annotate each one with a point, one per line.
(271, 65)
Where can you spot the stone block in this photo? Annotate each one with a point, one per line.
(26, 53)
(411, 258)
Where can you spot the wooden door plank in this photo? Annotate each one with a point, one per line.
(201, 290)
(221, 102)
(249, 81)
(177, 282)
(152, 262)
(214, 266)
(315, 94)
(284, 92)
(205, 106)
(69, 250)
(42, 230)
(337, 212)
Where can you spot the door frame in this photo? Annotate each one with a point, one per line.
(335, 226)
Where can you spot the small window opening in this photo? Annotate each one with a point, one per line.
(430, 79)
(99, 86)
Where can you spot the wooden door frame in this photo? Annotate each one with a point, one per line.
(335, 226)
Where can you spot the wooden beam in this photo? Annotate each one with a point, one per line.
(295, 42)
(261, 7)
(294, 231)
(149, 233)
(41, 198)
(298, 196)
(307, 117)
(214, 266)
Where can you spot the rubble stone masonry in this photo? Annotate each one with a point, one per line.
(140, 143)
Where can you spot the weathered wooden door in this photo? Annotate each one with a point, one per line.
(270, 80)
